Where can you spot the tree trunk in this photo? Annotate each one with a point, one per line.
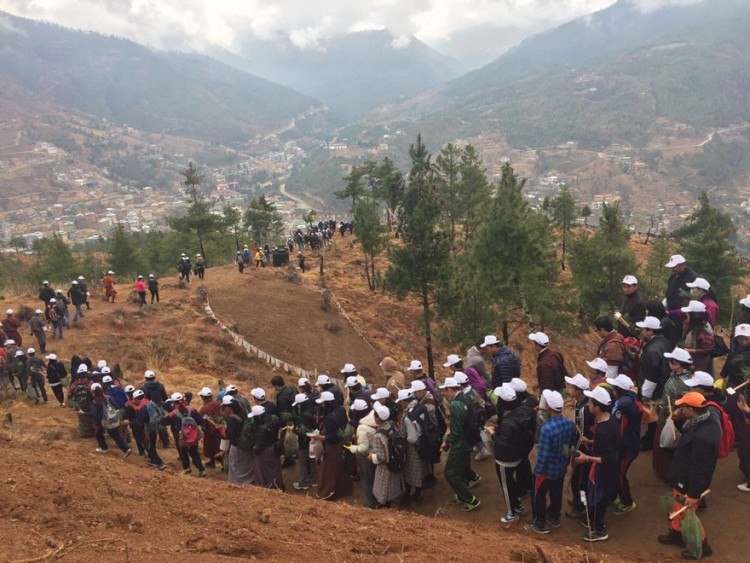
(322, 273)
(506, 335)
(562, 260)
(427, 315)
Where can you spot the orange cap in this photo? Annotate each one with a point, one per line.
(692, 399)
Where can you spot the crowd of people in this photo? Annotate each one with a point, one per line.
(650, 386)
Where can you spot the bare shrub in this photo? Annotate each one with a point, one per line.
(326, 301)
(333, 328)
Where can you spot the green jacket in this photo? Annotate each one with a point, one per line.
(459, 414)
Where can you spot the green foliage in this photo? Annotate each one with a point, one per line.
(355, 183)
(231, 221)
(263, 220)
(705, 242)
(563, 208)
(653, 280)
(599, 262)
(370, 235)
(721, 161)
(198, 220)
(124, 254)
(57, 263)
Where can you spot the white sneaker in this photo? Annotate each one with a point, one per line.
(482, 454)
(101, 451)
(510, 518)
(744, 487)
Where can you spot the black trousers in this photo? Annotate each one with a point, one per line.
(543, 487)
(59, 394)
(191, 453)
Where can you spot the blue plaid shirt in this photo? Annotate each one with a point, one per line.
(556, 438)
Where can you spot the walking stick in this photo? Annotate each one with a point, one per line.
(673, 515)
(733, 390)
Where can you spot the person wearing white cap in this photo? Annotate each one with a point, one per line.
(584, 421)
(677, 284)
(11, 326)
(77, 295)
(267, 449)
(355, 390)
(698, 336)
(306, 421)
(185, 267)
(457, 468)
(417, 374)
(37, 326)
(106, 419)
(238, 436)
(505, 363)
(16, 368)
(478, 384)
(633, 308)
(63, 303)
(388, 484)
(140, 289)
(108, 283)
(234, 392)
(733, 374)
(410, 427)
(185, 422)
(35, 367)
(210, 410)
(600, 459)
(556, 438)
(383, 397)
(700, 290)
(56, 314)
(550, 364)
(157, 394)
(366, 427)
(200, 266)
(513, 440)
(334, 480)
(597, 371)
(46, 293)
(433, 430)
(628, 414)
(325, 383)
(56, 373)
(477, 409)
(394, 378)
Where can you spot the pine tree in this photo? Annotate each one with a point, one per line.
(263, 220)
(563, 208)
(56, 262)
(419, 265)
(370, 235)
(198, 219)
(653, 281)
(124, 255)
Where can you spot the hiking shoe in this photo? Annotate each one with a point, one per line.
(531, 527)
(520, 510)
(623, 508)
(672, 537)
(554, 522)
(510, 518)
(482, 454)
(161, 467)
(101, 450)
(456, 500)
(744, 487)
(300, 487)
(475, 482)
(186, 472)
(471, 505)
(593, 536)
(127, 453)
(201, 473)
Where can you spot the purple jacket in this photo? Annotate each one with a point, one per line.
(478, 384)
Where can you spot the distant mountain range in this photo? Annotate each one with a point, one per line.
(607, 77)
(352, 73)
(174, 93)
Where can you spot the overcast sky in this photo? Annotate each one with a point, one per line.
(450, 25)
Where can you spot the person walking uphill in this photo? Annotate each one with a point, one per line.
(187, 421)
(37, 325)
(140, 289)
(10, 326)
(557, 438)
(387, 485)
(628, 413)
(505, 363)
(692, 468)
(550, 364)
(458, 465)
(153, 288)
(333, 479)
(108, 283)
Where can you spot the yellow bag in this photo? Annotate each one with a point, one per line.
(721, 384)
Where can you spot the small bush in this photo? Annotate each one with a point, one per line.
(326, 300)
(333, 328)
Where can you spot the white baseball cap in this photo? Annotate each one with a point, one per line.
(518, 384)
(382, 411)
(415, 365)
(9, 312)
(138, 393)
(351, 381)
(83, 368)
(694, 307)
(405, 395)
(745, 301)
(9, 342)
(418, 385)
(579, 381)
(359, 405)
(96, 386)
(148, 374)
(675, 260)
(81, 278)
(106, 369)
(101, 363)
(176, 397)
(19, 353)
(231, 388)
(651, 323)
(700, 283)
(489, 340)
(506, 392)
(629, 280)
(52, 300)
(259, 393)
(380, 393)
(452, 360)
(323, 380)
(227, 400)
(450, 383)
(30, 351)
(205, 392)
(302, 381)
(349, 368)
(325, 397)
(540, 338)
(742, 330)
(700, 379)
(553, 399)
(299, 398)
(257, 410)
(622, 381)
(38, 312)
(599, 364)
(52, 357)
(461, 378)
(129, 389)
(107, 379)
(599, 394)
(679, 354)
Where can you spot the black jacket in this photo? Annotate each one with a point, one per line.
(284, 400)
(676, 288)
(653, 365)
(155, 392)
(696, 455)
(514, 436)
(634, 310)
(266, 432)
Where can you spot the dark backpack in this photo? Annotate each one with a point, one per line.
(720, 347)
(428, 445)
(396, 450)
(111, 417)
(82, 397)
(155, 413)
(474, 421)
(727, 430)
(246, 441)
(632, 353)
(190, 433)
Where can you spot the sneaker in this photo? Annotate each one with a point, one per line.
(531, 527)
(101, 450)
(744, 487)
(554, 522)
(161, 467)
(672, 537)
(472, 504)
(482, 454)
(201, 473)
(127, 453)
(622, 508)
(186, 472)
(593, 536)
(300, 487)
(456, 500)
(141, 454)
(520, 510)
(475, 482)
(510, 518)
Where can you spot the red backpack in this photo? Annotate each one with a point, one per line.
(727, 430)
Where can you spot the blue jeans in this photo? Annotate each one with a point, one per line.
(79, 313)
(57, 326)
